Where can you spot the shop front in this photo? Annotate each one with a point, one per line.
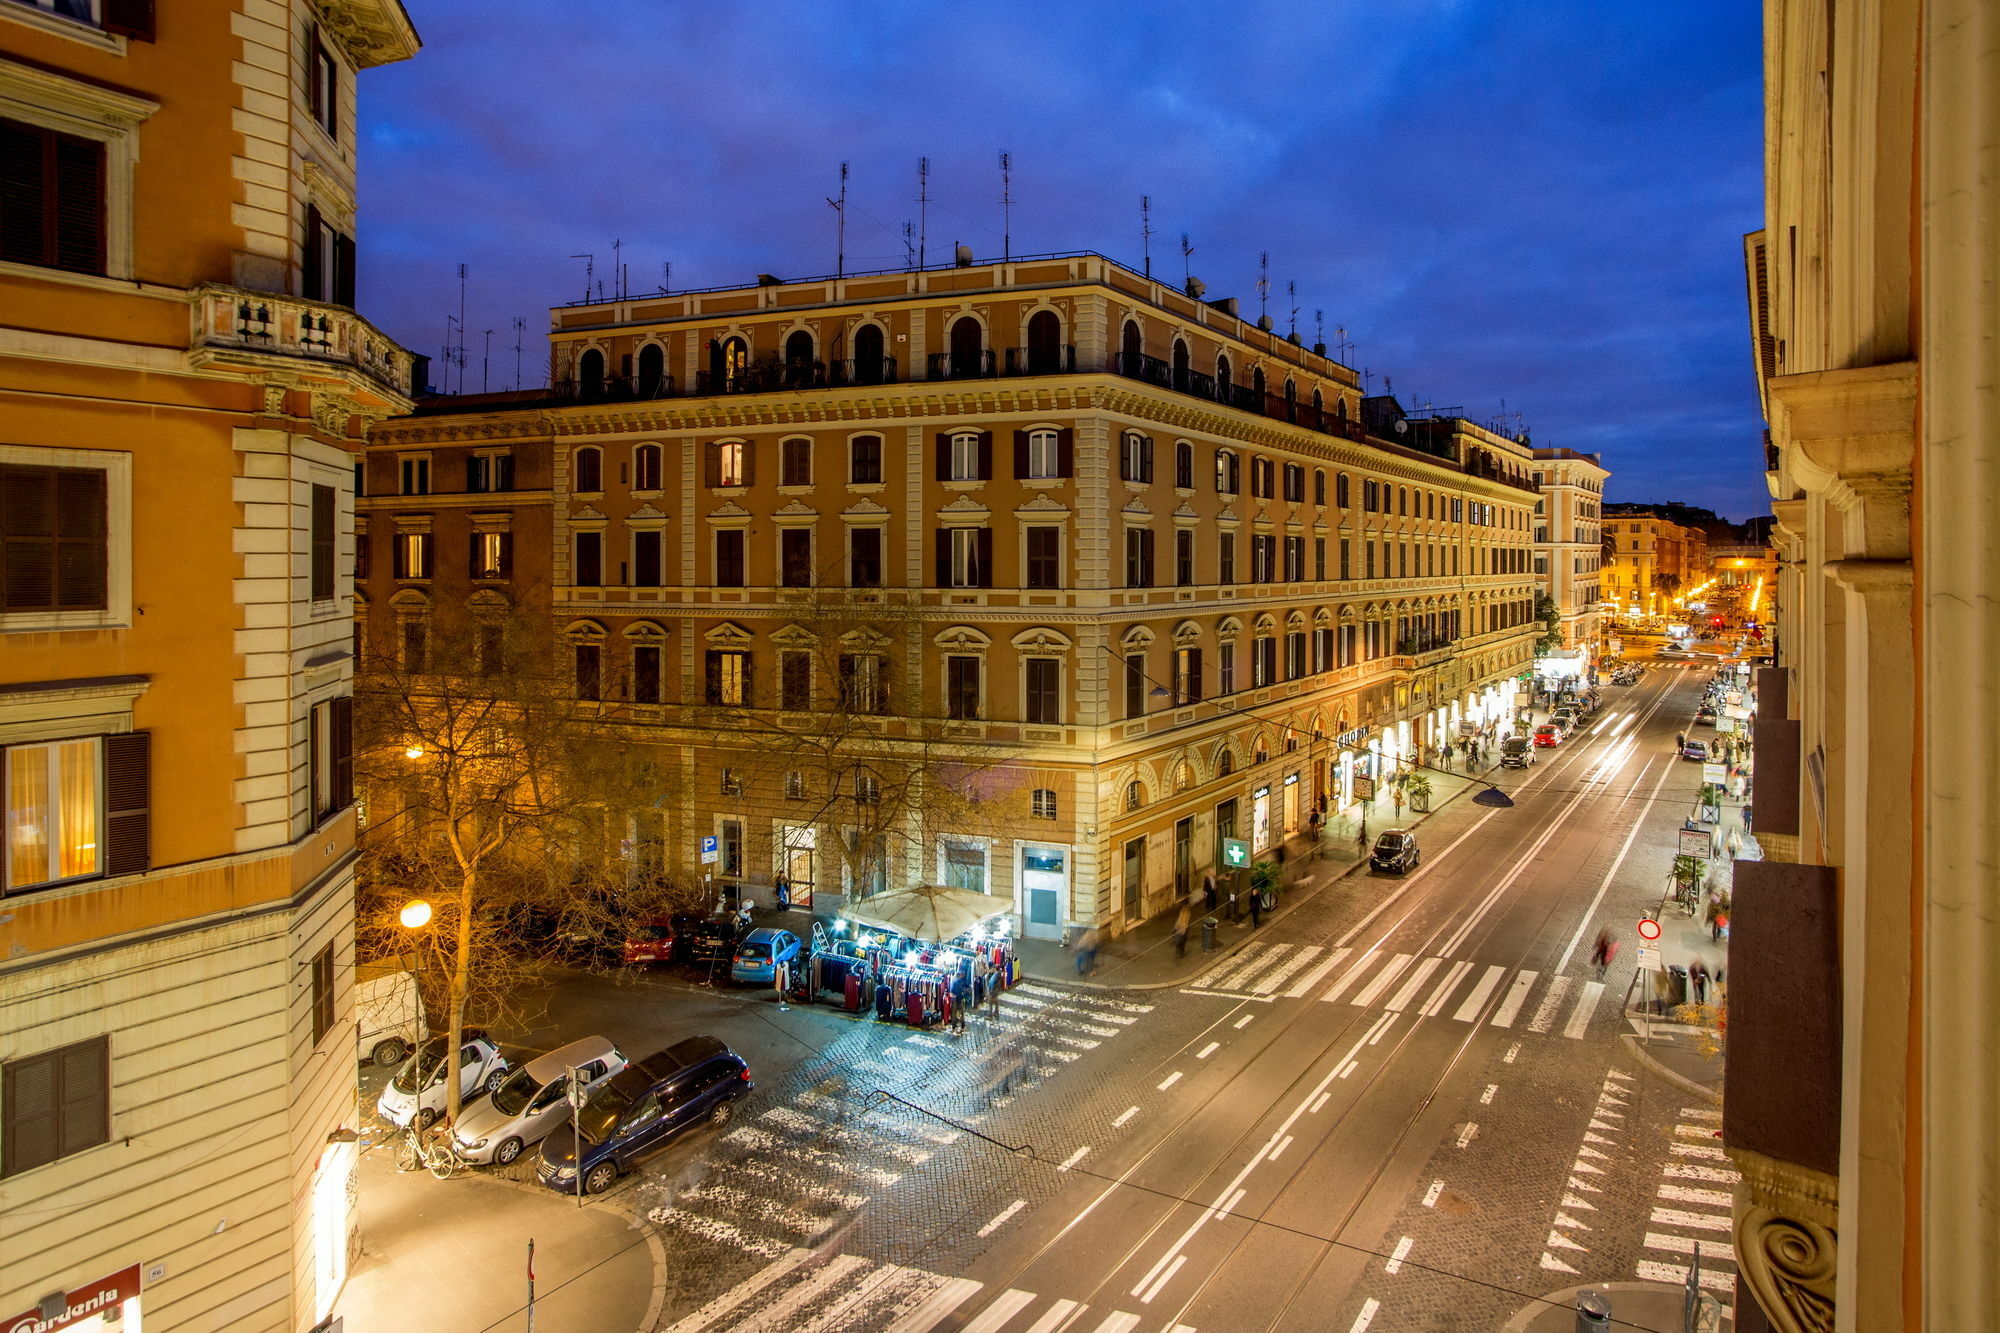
(108, 1305)
(1042, 891)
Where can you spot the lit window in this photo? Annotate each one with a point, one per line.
(1044, 803)
(729, 463)
(54, 812)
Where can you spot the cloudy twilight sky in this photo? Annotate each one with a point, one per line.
(1536, 203)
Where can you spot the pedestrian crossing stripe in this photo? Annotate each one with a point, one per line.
(800, 1292)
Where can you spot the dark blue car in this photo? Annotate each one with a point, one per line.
(640, 1109)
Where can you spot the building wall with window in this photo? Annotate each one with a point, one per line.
(182, 396)
(1569, 552)
(1649, 549)
(1125, 558)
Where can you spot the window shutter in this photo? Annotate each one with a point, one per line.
(315, 259)
(79, 204)
(714, 681)
(711, 464)
(1194, 676)
(1145, 458)
(315, 68)
(1020, 454)
(472, 555)
(749, 462)
(324, 516)
(985, 553)
(1146, 556)
(23, 187)
(749, 693)
(1065, 453)
(341, 746)
(128, 790)
(943, 456)
(29, 1101)
(944, 557)
(343, 270)
(986, 455)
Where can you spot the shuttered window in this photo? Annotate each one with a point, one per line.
(324, 535)
(322, 996)
(1044, 689)
(54, 542)
(54, 1104)
(51, 198)
(322, 83)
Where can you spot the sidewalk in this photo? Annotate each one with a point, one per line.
(1634, 1305)
(1143, 957)
(451, 1256)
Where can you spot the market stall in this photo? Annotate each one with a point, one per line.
(920, 956)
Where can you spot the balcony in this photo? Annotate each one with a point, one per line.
(235, 327)
(976, 364)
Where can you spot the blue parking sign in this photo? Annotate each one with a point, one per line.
(710, 850)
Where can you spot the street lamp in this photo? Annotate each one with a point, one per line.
(416, 914)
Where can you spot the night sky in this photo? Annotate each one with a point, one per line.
(1541, 204)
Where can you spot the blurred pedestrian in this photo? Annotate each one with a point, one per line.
(1698, 979)
(1181, 928)
(1086, 952)
(1208, 892)
(1256, 909)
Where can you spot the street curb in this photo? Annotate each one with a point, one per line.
(1565, 1299)
(1638, 1052)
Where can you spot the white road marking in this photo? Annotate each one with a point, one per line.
(1123, 1116)
(742, 1292)
(1170, 1080)
(1512, 1051)
(1054, 1316)
(1367, 994)
(1698, 1150)
(1073, 1159)
(1431, 1194)
(1720, 1198)
(1696, 1113)
(1545, 1012)
(1208, 1050)
(1719, 1175)
(1435, 1004)
(1486, 1097)
(1258, 956)
(1118, 1322)
(777, 1314)
(1318, 1102)
(1004, 1307)
(1467, 1134)
(1710, 1249)
(1162, 1281)
(1349, 977)
(1517, 995)
(1396, 1257)
(1270, 981)
(1000, 1218)
(1412, 982)
(941, 1303)
(1617, 861)
(1676, 1217)
(1349, 1068)
(1366, 1317)
(1676, 1275)
(1242, 1022)
(1320, 969)
(1284, 1144)
(1586, 1008)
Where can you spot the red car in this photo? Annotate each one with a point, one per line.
(1548, 735)
(649, 942)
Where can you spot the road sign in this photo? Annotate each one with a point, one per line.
(1713, 772)
(1235, 853)
(1696, 842)
(1364, 788)
(1649, 958)
(711, 851)
(1649, 929)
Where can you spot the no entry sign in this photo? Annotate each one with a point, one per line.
(1649, 929)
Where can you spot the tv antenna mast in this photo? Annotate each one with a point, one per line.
(1341, 343)
(840, 207)
(1187, 254)
(923, 206)
(666, 276)
(1263, 286)
(1292, 295)
(589, 270)
(520, 330)
(909, 246)
(1319, 332)
(1146, 231)
(1006, 206)
(617, 269)
(485, 359)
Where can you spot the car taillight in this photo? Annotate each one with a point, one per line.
(746, 1073)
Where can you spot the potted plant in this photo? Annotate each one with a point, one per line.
(1418, 786)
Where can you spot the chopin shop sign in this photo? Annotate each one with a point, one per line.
(72, 1308)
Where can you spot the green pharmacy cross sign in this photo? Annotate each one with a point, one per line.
(1235, 853)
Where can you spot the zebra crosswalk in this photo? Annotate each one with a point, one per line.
(1692, 1207)
(1462, 990)
(802, 1292)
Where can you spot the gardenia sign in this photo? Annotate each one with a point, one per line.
(78, 1305)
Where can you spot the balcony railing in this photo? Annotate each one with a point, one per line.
(271, 324)
(965, 365)
(1050, 359)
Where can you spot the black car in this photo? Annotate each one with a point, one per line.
(1516, 752)
(1396, 852)
(701, 938)
(641, 1109)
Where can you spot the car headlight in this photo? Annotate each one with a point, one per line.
(565, 1172)
(475, 1144)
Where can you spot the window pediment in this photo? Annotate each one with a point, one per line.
(729, 635)
(1042, 639)
(962, 637)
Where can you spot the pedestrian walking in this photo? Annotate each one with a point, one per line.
(1256, 909)
(1680, 740)
(1208, 892)
(1715, 919)
(1361, 841)
(1181, 929)
(1698, 979)
(961, 1000)
(781, 893)
(1086, 953)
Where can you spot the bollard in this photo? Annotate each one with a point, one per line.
(1593, 1311)
(1208, 924)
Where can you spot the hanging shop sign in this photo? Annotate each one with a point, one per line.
(1364, 789)
(106, 1296)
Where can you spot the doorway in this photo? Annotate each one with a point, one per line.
(1044, 886)
(1135, 878)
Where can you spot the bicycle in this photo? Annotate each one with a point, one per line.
(431, 1149)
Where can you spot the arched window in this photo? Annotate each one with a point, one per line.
(728, 358)
(589, 471)
(646, 468)
(1045, 353)
(590, 374)
(1319, 486)
(799, 360)
(1227, 478)
(1341, 499)
(1257, 386)
(1131, 349)
(1291, 400)
(1180, 364)
(1223, 382)
(1183, 775)
(1319, 407)
(1340, 410)
(795, 785)
(968, 346)
(1135, 794)
(869, 365)
(1225, 764)
(1044, 803)
(652, 371)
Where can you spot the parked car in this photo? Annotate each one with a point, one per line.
(704, 937)
(760, 952)
(1704, 716)
(1548, 735)
(1566, 718)
(649, 942)
(1516, 752)
(532, 1100)
(418, 1090)
(1396, 851)
(1694, 750)
(389, 1013)
(640, 1110)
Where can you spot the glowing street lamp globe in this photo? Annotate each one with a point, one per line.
(415, 915)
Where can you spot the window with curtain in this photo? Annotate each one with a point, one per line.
(54, 817)
(964, 865)
(646, 468)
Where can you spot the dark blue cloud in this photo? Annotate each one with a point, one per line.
(1541, 204)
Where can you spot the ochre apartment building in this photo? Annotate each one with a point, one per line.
(1569, 550)
(1650, 548)
(1124, 572)
(1865, 966)
(182, 379)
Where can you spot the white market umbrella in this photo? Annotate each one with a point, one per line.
(931, 912)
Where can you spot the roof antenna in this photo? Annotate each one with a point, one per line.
(840, 207)
(1006, 207)
(666, 276)
(1264, 290)
(1187, 254)
(1341, 344)
(909, 246)
(520, 330)
(1292, 295)
(1319, 332)
(923, 206)
(618, 269)
(589, 268)
(1146, 231)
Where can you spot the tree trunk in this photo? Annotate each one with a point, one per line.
(461, 982)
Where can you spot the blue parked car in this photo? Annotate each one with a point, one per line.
(759, 953)
(639, 1109)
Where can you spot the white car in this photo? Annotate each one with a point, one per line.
(418, 1091)
(532, 1100)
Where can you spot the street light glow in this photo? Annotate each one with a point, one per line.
(415, 914)
(414, 752)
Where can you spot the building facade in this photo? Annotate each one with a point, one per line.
(182, 379)
(1569, 543)
(1127, 574)
(1862, 1098)
(1653, 561)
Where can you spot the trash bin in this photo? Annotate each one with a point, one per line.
(1208, 925)
(1675, 986)
(1593, 1311)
